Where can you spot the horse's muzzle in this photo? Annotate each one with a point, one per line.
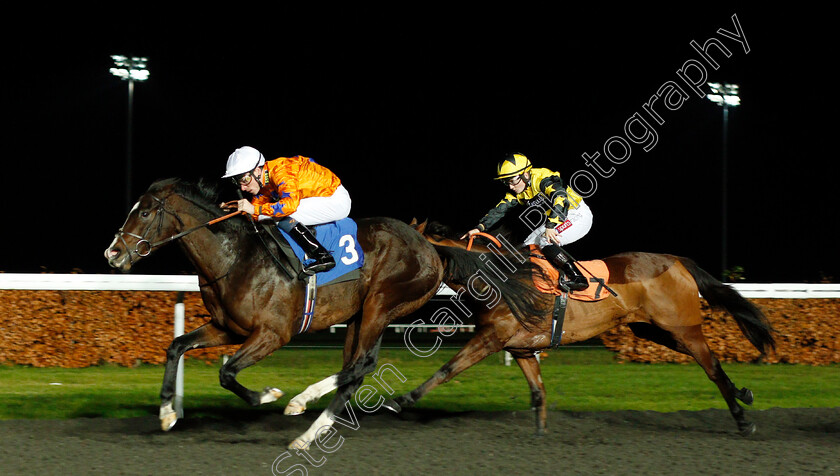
(118, 258)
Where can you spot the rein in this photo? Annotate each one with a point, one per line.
(147, 246)
(143, 247)
(486, 235)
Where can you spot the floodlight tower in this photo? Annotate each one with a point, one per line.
(129, 69)
(726, 96)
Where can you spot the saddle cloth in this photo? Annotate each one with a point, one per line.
(339, 238)
(546, 278)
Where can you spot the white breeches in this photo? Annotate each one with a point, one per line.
(577, 224)
(320, 210)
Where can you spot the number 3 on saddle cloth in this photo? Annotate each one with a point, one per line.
(546, 280)
(339, 238)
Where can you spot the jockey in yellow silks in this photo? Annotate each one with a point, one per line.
(567, 217)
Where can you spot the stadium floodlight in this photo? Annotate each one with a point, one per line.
(129, 69)
(133, 68)
(726, 96)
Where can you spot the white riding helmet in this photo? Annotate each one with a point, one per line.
(243, 160)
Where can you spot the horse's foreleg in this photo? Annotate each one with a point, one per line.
(205, 336)
(485, 342)
(694, 342)
(531, 368)
(257, 346)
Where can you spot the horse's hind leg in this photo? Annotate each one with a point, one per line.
(205, 336)
(361, 351)
(531, 368)
(256, 347)
(691, 341)
(485, 342)
(297, 405)
(323, 424)
(348, 380)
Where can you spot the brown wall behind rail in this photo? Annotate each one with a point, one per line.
(83, 328)
(807, 332)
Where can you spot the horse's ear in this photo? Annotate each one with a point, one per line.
(420, 227)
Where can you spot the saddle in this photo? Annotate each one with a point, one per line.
(547, 278)
(339, 238)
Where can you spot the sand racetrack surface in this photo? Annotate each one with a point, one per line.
(788, 441)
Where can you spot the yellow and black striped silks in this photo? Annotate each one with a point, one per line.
(545, 185)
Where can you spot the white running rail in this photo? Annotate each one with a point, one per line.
(153, 282)
(189, 283)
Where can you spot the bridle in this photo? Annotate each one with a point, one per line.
(144, 247)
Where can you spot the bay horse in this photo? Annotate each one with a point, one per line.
(254, 303)
(657, 297)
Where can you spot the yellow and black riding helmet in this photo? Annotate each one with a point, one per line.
(511, 166)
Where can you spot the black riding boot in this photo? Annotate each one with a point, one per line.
(313, 249)
(574, 280)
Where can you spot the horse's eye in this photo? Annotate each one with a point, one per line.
(144, 214)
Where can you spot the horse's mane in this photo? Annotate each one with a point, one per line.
(439, 229)
(525, 302)
(205, 195)
(203, 192)
(510, 227)
(513, 234)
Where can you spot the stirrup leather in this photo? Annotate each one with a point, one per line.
(313, 249)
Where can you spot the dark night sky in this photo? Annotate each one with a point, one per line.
(413, 119)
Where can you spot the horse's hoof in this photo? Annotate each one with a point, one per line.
(392, 405)
(298, 444)
(403, 401)
(294, 408)
(748, 430)
(745, 395)
(167, 416)
(168, 421)
(270, 394)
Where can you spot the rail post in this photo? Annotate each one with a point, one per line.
(179, 378)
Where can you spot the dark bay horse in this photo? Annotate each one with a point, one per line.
(657, 297)
(254, 303)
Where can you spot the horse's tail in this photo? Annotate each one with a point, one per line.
(750, 319)
(486, 282)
